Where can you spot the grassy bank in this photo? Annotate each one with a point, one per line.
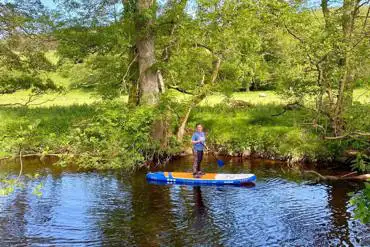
(255, 131)
(39, 129)
(78, 123)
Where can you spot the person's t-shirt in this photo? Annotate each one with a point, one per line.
(198, 136)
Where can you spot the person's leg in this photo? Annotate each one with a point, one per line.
(195, 162)
(199, 160)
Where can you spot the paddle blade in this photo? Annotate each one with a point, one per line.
(220, 163)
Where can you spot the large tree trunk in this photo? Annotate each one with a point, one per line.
(148, 79)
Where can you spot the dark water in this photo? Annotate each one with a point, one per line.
(112, 209)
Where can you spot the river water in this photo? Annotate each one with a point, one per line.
(86, 208)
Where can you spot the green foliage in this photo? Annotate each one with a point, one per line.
(362, 162)
(100, 74)
(39, 129)
(115, 137)
(22, 52)
(37, 190)
(279, 45)
(10, 83)
(8, 185)
(361, 202)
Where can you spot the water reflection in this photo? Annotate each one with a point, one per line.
(89, 208)
(200, 210)
(338, 197)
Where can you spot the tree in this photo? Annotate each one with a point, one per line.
(148, 78)
(216, 51)
(133, 39)
(25, 28)
(331, 48)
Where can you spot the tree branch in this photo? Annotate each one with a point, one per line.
(293, 34)
(196, 45)
(29, 102)
(128, 70)
(181, 90)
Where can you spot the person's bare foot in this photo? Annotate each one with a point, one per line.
(201, 173)
(196, 175)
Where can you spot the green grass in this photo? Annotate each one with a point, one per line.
(362, 95)
(48, 126)
(73, 97)
(255, 129)
(78, 97)
(255, 98)
(40, 128)
(52, 56)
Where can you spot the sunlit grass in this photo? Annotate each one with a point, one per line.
(74, 97)
(78, 97)
(362, 95)
(255, 98)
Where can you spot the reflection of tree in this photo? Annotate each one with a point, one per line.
(23, 210)
(145, 220)
(151, 210)
(13, 224)
(338, 201)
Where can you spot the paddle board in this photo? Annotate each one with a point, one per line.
(208, 178)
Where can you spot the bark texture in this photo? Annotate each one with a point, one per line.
(144, 88)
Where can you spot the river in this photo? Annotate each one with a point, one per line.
(89, 208)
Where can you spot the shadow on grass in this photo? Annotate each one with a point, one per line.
(260, 115)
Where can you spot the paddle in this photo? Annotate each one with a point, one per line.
(220, 163)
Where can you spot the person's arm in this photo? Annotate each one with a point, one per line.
(194, 139)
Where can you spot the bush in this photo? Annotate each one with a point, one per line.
(117, 137)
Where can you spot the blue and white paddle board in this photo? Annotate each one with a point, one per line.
(208, 178)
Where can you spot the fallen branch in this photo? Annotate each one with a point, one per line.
(353, 134)
(288, 107)
(362, 177)
(30, 155)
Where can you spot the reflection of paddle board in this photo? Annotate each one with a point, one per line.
(208, 178)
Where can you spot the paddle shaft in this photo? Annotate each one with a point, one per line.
(209, 150)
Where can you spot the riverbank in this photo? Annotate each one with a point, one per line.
(249, 125)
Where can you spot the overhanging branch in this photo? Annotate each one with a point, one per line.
(181, 90)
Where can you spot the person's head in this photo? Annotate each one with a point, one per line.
(199, 127)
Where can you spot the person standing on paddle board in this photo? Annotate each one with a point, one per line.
(198, 140)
